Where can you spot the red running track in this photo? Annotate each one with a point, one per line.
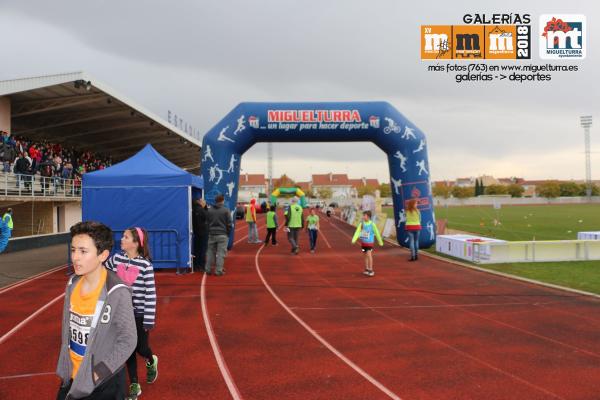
(313, 327)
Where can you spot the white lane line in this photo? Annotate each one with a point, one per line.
(32, 316)
(233, 389)
(31, 278)
(322, 340)
(27, 375)
(420, 306)
(456, 349)
(325, 238)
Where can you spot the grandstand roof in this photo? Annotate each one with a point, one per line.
(77, 110)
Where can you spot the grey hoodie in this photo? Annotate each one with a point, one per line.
(112, 339)
(219, 220)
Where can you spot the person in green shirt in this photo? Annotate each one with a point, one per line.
(294, 221)
(272, 225)
(312, 226)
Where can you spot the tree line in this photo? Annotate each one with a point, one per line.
(550, 189)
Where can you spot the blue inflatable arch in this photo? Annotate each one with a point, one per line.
(377, 122)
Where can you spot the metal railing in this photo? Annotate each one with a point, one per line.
(38, 186)
(163, 243)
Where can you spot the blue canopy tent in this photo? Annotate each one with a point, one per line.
(149, 191)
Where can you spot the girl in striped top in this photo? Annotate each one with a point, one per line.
(134, 266)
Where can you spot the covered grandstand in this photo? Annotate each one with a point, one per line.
(97, 125)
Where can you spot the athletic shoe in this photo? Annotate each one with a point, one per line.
(371, 273)
(366, 272)
(152, 370)
(312, 251)
(135, 390)
(220, 273)
(207, 272)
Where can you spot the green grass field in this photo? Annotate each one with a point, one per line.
(533, 223)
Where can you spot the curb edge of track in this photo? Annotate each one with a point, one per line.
(511, 276)
(493, 272)
(23, 281)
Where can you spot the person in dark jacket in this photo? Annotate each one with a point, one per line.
(200, 227)
(22, 169)
(219, 227)
(7, 155)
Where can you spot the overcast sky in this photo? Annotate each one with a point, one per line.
(199, 59)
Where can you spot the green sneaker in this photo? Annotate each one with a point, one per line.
(152, 370)
(134, 391)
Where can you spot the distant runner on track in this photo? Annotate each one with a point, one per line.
(367, 232)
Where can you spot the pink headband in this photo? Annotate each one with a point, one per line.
(141, 235)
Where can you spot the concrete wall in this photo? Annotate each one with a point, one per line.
(72, 215)
(5, 114)
(36, 242)
(43, 217)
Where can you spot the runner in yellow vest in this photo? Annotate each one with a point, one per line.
(251, 221)
(272, 225)
(294, 221)
(413, 228)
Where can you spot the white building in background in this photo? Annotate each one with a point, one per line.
(361, 183)
(465, 182)
(251, 186)
(339, 184)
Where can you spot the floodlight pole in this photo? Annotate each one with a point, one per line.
(270, 166)
(586, 123)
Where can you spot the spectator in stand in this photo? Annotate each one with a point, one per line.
(58, 164)
(7, 154)
(67, 170)
(29, 160)
(77, 184)
(40, 154)
(22, 167)
(6, 138)
(81, 170)
(46, 172)
(33, 154)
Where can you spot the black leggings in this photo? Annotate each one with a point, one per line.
(142, 348)
(112, 389)
(271, 235)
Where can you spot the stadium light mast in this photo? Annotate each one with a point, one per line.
(270, 166)
(586, 123)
